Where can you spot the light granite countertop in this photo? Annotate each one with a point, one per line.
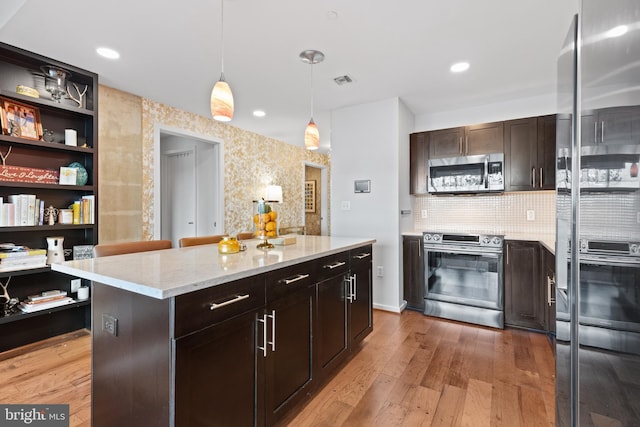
(171, 272)
(547, 240)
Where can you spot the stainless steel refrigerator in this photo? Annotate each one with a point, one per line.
(598, 218)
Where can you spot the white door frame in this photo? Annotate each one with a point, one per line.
(324, 195)
(160, 128)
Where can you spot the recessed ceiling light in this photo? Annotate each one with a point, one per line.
(459, 67)
(108, 53)
(617, 31)
(259, 113)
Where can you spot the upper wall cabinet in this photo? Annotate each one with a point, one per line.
(418, 157)
(530, 153)
(609, 126)
(466, 141)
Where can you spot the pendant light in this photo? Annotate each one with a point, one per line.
(221, 96)
(311, 134)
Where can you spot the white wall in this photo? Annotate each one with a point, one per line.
(366, 143)
(516, 109)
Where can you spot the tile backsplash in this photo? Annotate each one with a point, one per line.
(500, 214)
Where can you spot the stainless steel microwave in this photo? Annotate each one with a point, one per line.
(467, 174)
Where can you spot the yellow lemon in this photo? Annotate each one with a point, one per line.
(265, 217)
(256, 218)
(260, 226)
(273, 215)
(271, 226)
(271, 233)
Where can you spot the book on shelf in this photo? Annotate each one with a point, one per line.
(27, 261)
(29, 307)
(22, 252)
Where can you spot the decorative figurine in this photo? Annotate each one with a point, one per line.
(51, 215)
(4, 156)
(10, 304)
(79, 100)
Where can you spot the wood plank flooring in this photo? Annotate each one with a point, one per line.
(412, 370)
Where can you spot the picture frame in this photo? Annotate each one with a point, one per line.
(68, 176)
(310, 196)
(20, 120)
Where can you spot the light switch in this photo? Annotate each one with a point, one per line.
(346, 205)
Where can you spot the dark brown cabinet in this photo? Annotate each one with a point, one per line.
(331, 333)
(288, 372)
(610, 126)
(19, 67)
(549, 284)
(413, 272)
(360, 302)
(418, 158)
(466, 141)
(524, 294)
(530, 156)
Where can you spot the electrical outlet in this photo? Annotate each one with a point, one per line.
(75, 284)
(380, 271)
(531, 215)
(423, 213)
(346, 205)
(110, 324)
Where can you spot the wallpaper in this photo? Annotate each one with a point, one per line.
(252, 162)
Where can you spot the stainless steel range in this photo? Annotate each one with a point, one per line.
(609, 315)
(464, 277)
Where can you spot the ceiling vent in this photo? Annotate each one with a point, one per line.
(342, 80)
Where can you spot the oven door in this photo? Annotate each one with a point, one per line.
(466, 276)
(609, 306)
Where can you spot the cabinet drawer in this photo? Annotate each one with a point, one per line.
(360, 256)
(199, 309)
(331, 266)
(287, 280)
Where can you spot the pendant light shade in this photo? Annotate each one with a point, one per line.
(221, 96)
(222, 101)
(311, 133)
(311, 136)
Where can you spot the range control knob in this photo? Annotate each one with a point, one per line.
(584, 246)
(436, 237)
(496, 241)
(635, 249)
(427, 237)
(486, 240)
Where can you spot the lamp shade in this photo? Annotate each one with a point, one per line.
(311, 136)
(273, 194)
(222, 101)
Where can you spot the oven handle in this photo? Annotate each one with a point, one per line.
(488, 252)
(609, 262)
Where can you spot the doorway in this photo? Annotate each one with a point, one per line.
(315, 200)
(188, 185)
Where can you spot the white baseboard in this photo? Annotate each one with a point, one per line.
(393, 309)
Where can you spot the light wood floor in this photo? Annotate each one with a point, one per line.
(411, 371)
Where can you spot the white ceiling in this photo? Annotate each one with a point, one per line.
(171, 52)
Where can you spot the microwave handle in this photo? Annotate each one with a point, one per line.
(486, 172)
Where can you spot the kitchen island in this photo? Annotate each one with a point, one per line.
(191, 337)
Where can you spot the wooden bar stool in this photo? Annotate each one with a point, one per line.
(130, 247)
(202, 240)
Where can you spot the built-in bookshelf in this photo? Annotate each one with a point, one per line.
(55, 130)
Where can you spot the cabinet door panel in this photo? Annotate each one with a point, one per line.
(331, 323)
(360, 311)
(524, 305)
(547, 128)
(418, 158)
(521, 154)
(484, 139)
(215, 375)
(413, 272)
(446, 142)
(288, 369)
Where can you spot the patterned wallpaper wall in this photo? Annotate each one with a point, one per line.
(252, 162)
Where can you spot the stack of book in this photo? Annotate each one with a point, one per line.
(14, 258)
(45, 300)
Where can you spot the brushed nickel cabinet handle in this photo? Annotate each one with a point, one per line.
(460, 146)
(233, 300)
(595, 132)
(264, 335)
(541, 182)
(273, 330)
(533, 177)
(362, 255)
(334, 265)
(293, 279)
(349, 282)
(602, 131)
